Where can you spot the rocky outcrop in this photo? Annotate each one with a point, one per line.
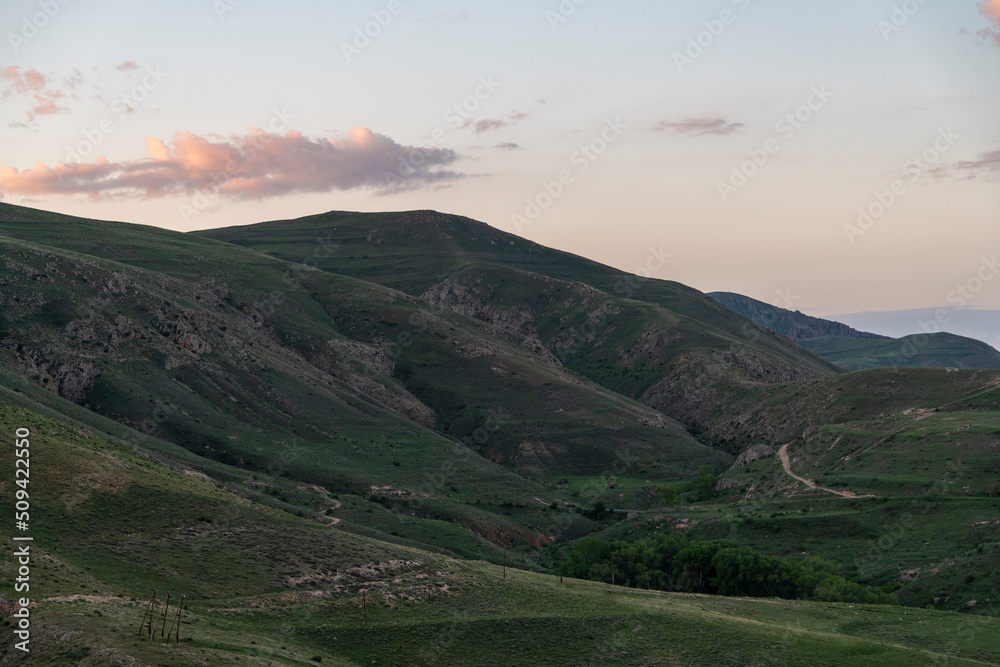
(751, 454)
(69, 376)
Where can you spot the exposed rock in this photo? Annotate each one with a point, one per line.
(751, 454)
(68, 376)
(369, 356)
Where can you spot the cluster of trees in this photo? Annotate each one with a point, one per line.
(698, 491)
(718, 567)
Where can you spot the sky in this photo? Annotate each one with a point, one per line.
(828, 157)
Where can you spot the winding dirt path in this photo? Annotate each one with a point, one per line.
(335, 504)
(786, 464)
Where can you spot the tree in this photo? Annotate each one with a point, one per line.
(692, 566)
(589, 551)
(739, 571)
(669, 494)
(707, 479)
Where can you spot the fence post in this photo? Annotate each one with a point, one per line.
(149, 613)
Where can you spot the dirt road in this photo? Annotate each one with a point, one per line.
(783, 454)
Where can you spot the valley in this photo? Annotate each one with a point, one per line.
(272, 419)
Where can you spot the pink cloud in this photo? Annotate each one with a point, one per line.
(30, 81)
(990, 8)
(699, 126)
(255, 166)
(33, 84)
(44, 107)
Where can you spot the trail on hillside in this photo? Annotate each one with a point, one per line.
(786, 464)
(335, 504)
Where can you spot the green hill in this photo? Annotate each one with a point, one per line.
(659, 342)
(853, 350)
(111, 523)
(269, 438)
(251, 362)
(938, 350)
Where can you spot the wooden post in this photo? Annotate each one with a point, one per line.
(364, 608)
(163, 618)
(149, 613)
(176, 623)
(505, 562)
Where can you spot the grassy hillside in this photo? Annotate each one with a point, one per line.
(665, 344)
(270, 438)
(455, 428)
(939, 350)
(264, 588)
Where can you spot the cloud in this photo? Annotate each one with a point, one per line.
(491, 124)
(33, 85)
(23, 82)
(699, 126)
(985, 165)
(991, 9)
(508, 146)
(44, 107)
(255, 166)
(42, 94)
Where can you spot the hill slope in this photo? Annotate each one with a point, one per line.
(252, 362)
(853, 350)
(264, 588)
(664, 344)
(788, 322)
(938, 350)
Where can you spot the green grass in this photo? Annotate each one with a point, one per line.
(270, 379)
(940, 350)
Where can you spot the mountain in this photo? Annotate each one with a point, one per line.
(790, 323)
(249, 361)
(854, 350)
(659, 342)
(938, 350)
(959, 317)
(275, 440)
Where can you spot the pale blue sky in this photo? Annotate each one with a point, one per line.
(783, 230)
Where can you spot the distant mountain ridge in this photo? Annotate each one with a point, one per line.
(788, 322)
(853, 350)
